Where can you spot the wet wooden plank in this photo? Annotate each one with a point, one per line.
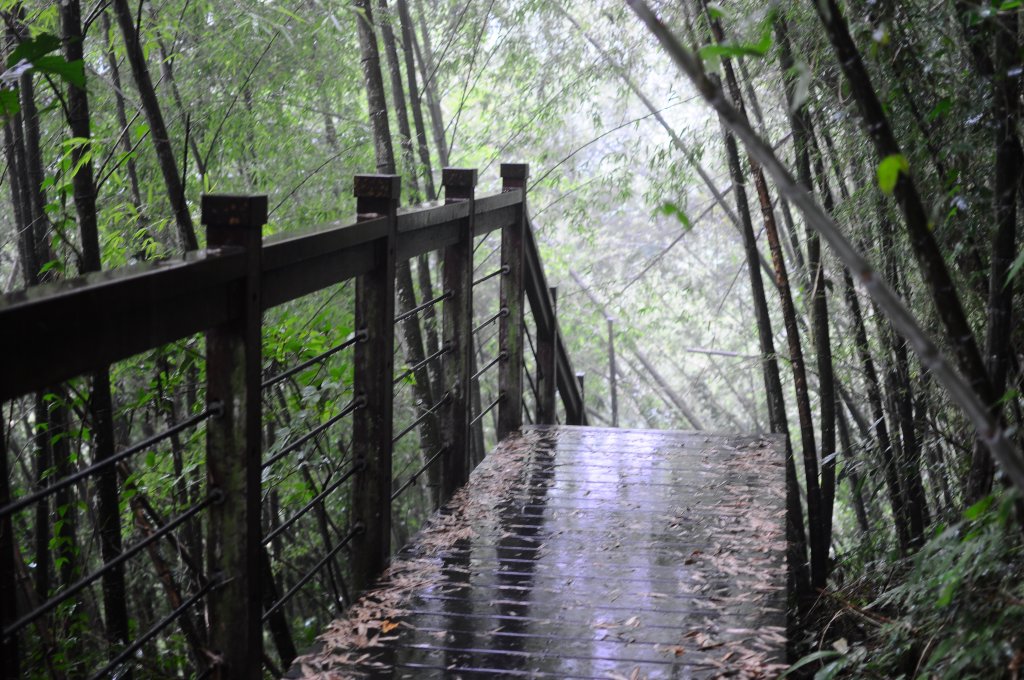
(579, 552)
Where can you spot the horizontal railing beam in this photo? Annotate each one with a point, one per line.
(78, 324)
(102, 318)
(538, 293)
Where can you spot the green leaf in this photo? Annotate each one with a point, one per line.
(70, 71)
(33, 48)
(889, 171)
(758, 49)
(978, 509)
(9, 103)
(151, 459)
(831, 670)
(948, 591)
(823, 655)
(716, 11)
(730, 49)
(1014, 268)
(801, 86)
(669, 208)
(940, 109)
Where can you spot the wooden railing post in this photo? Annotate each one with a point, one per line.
(547, 365)
(233, 447)
(376, 196)
(457, 326)
(573, 416)
(11, 667)
(613, 378)
(510, 331)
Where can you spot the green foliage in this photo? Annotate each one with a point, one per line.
(34, 54)
(889, 170)
(671, 209)
(954, 610)
(758, 47)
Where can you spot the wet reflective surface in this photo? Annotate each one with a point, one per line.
(586, 553)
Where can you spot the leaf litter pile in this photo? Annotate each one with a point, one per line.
(585, 553)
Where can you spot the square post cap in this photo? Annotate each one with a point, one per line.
(513, 176)
(513, 171)
(387, 187)
(459, 184)
(461, 178)
(225, 210)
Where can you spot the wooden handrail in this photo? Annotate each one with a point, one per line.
(55, 332)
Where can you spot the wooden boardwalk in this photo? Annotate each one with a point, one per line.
(585, 553)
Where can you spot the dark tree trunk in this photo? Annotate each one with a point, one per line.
(167, 72)
(803, 140)
(412, 334)
(100, 401)
(122, 115)
(428, 70)
(874, 393)
(157, 128)
(818, 541)
(925, 248)
(398, 98)
(378, 106)
(415, 101)
(859, 508)
(1006, 112)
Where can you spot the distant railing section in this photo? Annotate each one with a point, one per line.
(226, 598)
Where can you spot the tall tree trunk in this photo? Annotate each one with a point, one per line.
(100, 401)
(428, 431)
(803, 141)
(21, 189)
(122, 115)
(1006, 112)
(415, 101)
(398, 98)
(167, 73)
(378, 106)
(157, 128)
(922, 240)
(859, 508)
(423, 262)
(428, 69)
(818, 542)
(874, 392)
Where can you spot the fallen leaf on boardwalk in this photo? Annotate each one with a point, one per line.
(387, 626)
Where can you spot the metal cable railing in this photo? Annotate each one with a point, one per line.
(100, 465)
(358, 336)
(76, 587)
(225, 295)
(419, 419)
(497, 272)
(154, 630)
(422, 364)
(272, 609)
(412, 478)
(490, 364)
(423, 307)
(352, 406)
(500, 314)
(327, 491)
(490, 407)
